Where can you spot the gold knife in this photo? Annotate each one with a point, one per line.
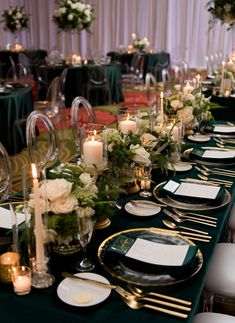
(88, 280)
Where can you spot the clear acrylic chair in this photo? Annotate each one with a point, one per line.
(213, 318)
(41, 154)
(16, 73)
(5, 174)
(98, 84)
(81, 113)
(134, 73)
(220, 278)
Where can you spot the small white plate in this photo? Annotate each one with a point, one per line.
(142, 208)
(199, 138)
(82, 294)
(179, 167)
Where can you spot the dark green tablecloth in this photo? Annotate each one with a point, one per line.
(44, 305)
(35, 56)
(16, 104)
(153, 63)
(77, 78)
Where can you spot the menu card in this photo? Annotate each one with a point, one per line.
(6, 220)
(192, 190)
(224, 128)
(218, 154)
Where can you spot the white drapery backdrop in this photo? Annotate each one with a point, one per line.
(179, 27)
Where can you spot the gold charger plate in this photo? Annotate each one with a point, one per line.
(186, 205)
(213, 162)
(123, 273)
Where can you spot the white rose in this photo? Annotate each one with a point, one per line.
(10, 12)
(148, 140)
(94, 189)
(19, 15)
(62, 10)
(64, 205)
(189, 97)
(87, 18)
(73, 5)
(85, 178)
(141, 155)
(55, 188)
(186, 115)
(85, 211)
(18, 26)
(80, 6)
(176, 104)
(70, 16)
(110, 147)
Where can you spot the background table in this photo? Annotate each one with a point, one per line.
(77, 78)
(153, 63)
(35, 56)
(16, 105)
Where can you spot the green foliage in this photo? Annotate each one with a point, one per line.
(64, 224)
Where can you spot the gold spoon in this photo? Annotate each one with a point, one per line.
(139, 292)
(172, 225)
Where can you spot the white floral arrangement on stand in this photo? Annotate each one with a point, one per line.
(73, 15)
(15, 19)
(139, 44)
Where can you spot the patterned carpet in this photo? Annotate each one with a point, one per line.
(105, 114)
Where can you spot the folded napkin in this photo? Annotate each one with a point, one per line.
(193, 192)
(228, 156)
(220, 128)
(141, 254)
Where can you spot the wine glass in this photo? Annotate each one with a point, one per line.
(145, 183)
(85, 224)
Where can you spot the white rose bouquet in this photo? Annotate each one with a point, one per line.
(73, 15)
(224, 10)
(140, 44)
(191, 108)
(15, 19)
(160, 145)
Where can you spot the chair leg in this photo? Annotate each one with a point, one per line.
(208, 301)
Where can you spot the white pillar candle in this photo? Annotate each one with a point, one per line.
(187, 89)
(78, 60)
(174, 131)
(133, 35)
(93, 152)
(128, 125)
(22, 284)
(38, 220)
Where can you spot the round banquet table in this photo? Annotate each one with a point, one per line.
(77, 78)
(15, 104)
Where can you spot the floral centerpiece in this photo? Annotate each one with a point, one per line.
(223, 10)
(73, 15)
(69, 190)
(191, 108)
(15, 19)
(139, 44)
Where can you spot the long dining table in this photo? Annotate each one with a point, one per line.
(44, 305)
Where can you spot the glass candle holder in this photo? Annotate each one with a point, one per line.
(128, 119)
(21, 279)
(8, 260)
(189, 86)
(172, 125)
(93, 145)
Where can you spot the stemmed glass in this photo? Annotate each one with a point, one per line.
(85, 224)
(145, 184)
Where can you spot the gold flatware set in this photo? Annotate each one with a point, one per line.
(135, 298)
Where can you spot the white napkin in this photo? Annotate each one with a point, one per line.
(6, 220)
(219, 154)
(224, 128)
(157, 253)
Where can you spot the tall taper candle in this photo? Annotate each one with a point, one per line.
(38, 220)
(162, 107)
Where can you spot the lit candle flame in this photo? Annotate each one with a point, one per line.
(161, 95)
(34, 171)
